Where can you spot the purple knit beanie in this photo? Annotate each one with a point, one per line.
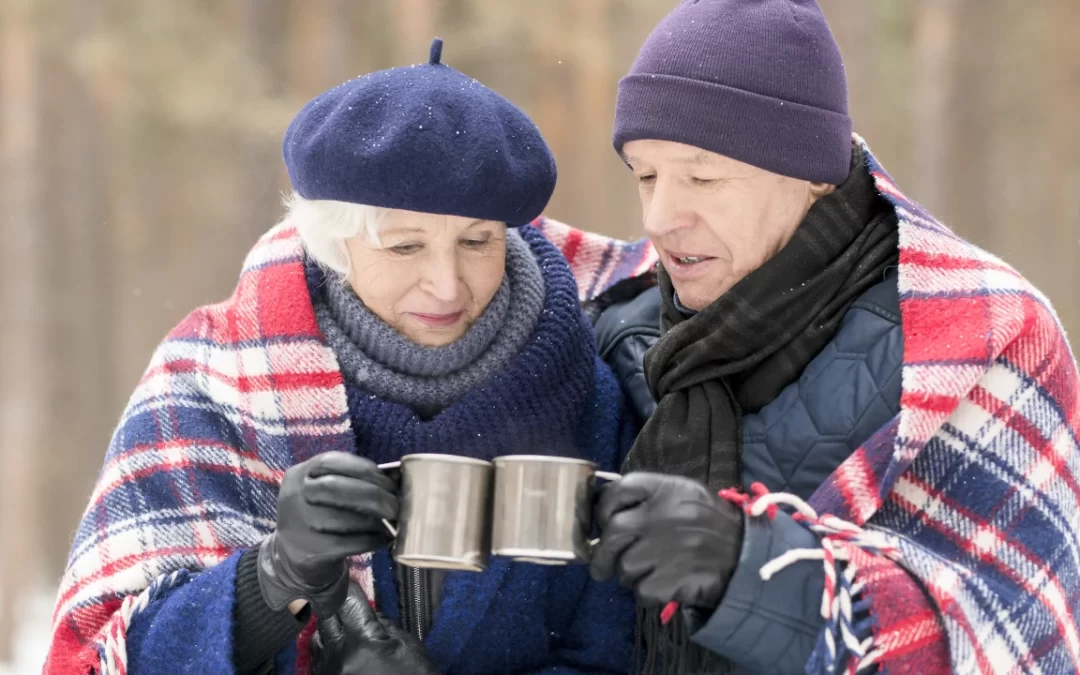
(760, 81)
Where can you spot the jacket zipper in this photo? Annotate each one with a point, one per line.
(415, 601)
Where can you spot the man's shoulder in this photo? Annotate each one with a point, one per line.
(638, 315)
(882, 298)
(873, 320)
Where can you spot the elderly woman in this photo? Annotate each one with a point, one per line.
(399, 307)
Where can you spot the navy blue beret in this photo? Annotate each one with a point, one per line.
(421, 138)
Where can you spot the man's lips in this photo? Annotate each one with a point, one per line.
(437, 320)
(686, 265)
(693, 257)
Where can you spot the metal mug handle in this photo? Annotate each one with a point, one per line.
(611, 478)
(386, 467)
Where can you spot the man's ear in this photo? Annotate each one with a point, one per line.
(819, 190)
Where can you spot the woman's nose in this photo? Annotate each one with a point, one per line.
(442, 278)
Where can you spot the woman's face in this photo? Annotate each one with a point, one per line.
(432, 275)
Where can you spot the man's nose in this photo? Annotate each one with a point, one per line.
(665, 212)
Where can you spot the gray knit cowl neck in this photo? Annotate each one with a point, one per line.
(381, 361)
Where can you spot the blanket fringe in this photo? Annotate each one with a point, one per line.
(114, 645)
(840, 602)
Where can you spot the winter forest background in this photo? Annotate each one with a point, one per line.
(140, 158)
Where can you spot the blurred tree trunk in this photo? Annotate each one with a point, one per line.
(414, 25)
(261, 190)
(1057, 51)
(594, 100)
(965, 204)
(875, 40)
(854, 26)
(81, 364)
(132, 228)
(347, 39)
(253, 204)
(935, 67)
(553, 99)
(22, 357)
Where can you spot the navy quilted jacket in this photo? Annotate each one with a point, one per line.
(847, 392)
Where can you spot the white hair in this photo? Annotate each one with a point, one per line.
(324, 225)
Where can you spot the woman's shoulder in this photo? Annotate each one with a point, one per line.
(270, 301)
(238, 353)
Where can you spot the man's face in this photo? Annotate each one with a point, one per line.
(713, 219)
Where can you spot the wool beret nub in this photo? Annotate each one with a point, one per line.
(421, 138)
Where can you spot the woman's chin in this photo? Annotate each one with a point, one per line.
(433, 336)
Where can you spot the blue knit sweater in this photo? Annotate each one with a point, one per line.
(525, 618)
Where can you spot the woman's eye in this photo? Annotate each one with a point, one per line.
(647, 179)
(704, 181)
(475, 243)
(405, 249)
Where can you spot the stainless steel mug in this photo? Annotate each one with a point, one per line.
(542, 511)
(444, 520)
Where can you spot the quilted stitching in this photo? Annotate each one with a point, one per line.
(850, 389)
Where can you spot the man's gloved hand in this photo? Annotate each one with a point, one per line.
(667, 538)
(357, 642)
(329, 507)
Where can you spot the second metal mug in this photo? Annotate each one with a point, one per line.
(542, 510)
(444, 516)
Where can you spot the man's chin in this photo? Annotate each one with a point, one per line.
(697, 296)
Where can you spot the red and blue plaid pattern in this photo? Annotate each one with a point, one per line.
(237, 393)
(598, 262)
(976, 482)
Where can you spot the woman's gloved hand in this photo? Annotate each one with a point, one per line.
(329, 508)
(667, 538)
(356, 641)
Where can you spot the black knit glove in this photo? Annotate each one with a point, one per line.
(356, 641)
(667, 538)
(329, 508)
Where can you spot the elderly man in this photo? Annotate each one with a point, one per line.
(860, 451)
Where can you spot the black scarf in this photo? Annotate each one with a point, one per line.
(737, 354)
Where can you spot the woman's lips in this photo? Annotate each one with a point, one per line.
(438, 320)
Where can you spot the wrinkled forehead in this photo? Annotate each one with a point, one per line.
(399, 221)
(653, 152)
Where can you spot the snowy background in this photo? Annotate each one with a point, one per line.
(32, 636)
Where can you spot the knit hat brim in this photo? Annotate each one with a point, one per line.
(786, 138)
